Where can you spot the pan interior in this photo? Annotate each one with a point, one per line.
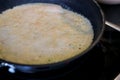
(44, 33)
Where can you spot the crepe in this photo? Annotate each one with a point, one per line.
(42, 33)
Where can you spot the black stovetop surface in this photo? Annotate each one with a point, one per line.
(102, 63)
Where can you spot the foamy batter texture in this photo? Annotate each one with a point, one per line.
(42, 34)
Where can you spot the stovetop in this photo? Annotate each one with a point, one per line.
(102, 63)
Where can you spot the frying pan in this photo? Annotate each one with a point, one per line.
(88, 8)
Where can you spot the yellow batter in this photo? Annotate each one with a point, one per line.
(42, 33)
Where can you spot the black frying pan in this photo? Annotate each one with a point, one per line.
(88, 8)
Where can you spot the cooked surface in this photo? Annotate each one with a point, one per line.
(42, 34)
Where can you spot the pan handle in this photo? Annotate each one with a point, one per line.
(114, 26)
